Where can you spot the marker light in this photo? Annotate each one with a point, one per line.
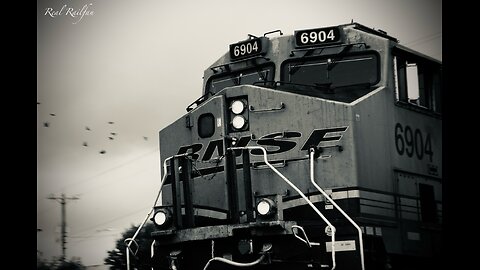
(237, 107)
(266, 207)
(161, 217)
(239, 122)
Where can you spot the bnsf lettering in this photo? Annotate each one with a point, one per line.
(217, 144)
(194, 149)
(277, 140)
(242, 142)
(318, 136)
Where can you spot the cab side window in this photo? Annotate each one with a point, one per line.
(417, 81)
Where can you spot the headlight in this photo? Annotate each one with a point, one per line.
(266, 207)
(162, 217)
(238, 114)
(237, 107)
(239, 122)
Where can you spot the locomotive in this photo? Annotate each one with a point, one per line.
(315, 150)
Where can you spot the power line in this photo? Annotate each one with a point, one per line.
(100, 224)
(116, 181)
(89, 236)
(97, 188)
(83, 181)
(423, 39)
(114, 219)
(63, 202)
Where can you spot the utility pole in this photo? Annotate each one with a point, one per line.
(63, 201)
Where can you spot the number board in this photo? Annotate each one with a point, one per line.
(246, 49)
(318, 36)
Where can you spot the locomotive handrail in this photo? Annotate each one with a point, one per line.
(131, 240)
(199, 101)
(227, 68)
(274, 31)
(306, 241)
(299, 192)
(260, 165)
(253, 110)
(237, 264)
(152, 250)
(362, 260)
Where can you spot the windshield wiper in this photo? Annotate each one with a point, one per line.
(199, 101)
(236, 80)
(262, 76)
(331, 63)
(296, 67)
(320, 86)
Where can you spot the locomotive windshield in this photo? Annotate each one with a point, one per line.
(250, 76)
(342, 79)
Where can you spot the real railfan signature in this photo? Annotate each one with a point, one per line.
(70, 11)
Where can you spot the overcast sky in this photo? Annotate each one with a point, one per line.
(131, 68)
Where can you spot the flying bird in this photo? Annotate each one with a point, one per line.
(103, 152)
(113, 133)
(111, 123)
(38, 103)
(52, 114)
(145, 138)
(87, 128)
(111, 138)
(85, 144)
(46, 124)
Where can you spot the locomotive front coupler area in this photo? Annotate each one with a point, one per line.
(264, 228)
(243, 243)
